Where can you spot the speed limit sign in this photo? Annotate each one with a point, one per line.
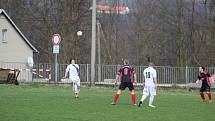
(56, 39)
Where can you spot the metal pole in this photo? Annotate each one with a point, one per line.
(99, 51)
(186, 71)
(87, 74)
(56, 68)
(93, 44)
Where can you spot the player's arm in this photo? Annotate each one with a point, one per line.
(155, 82)
(208, 75)
(143, 81)
(135, 76)
(198, 78)
(212, 78)
(155, 79)
(117, 77)
(66, 72)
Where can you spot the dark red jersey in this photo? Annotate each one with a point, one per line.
(205, 78)
(126, 73)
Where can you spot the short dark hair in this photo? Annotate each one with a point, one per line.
(151, 64)
(203, 67)
(70, 60)
(126, 61)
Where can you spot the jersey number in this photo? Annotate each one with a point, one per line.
(147, 74)
(125, 71)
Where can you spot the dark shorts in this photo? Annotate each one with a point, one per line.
(123, 85)
(205, 88)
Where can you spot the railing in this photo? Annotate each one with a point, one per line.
(44, 72)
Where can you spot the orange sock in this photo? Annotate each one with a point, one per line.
(209, 96)
(116, 98)
(202, 96)
(133, 98)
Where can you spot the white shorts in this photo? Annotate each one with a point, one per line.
(77, 83)
(75, 80)
(149, 90)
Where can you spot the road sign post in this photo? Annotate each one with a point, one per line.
(56, 41)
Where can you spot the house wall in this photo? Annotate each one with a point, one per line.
(14, 50)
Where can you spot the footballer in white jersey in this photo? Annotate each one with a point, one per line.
(149, 84)
(149, 76)
(73, 70)
(73, 73)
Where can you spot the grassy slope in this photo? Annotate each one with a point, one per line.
(54, 103)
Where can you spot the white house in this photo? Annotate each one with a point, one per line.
(15, 49)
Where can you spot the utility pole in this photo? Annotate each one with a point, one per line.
(93, 44)
(99, 51)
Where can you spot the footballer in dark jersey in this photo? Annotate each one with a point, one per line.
(204, 77)
(125, 74)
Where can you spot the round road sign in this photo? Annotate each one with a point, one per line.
(56, 39)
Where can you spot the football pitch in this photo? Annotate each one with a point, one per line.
(57, 103)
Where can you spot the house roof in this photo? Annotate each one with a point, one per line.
(17, 29)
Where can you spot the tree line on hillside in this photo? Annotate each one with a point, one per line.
(166, 32)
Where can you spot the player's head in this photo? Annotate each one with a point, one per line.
(72, 61)
(151, 64)
(125, 62)
(202, 68)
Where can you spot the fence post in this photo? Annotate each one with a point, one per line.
(87, 74)
(99, 73)
(186, 71)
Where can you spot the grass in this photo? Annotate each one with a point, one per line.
(57, 103)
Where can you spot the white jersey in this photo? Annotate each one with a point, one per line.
(149, 75)
(73, 73)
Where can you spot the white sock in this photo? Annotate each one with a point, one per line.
(151, 100)
(143, 97)
(76, 88)
(73, 87)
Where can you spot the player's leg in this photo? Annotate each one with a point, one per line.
(209, 94)
(202, 96)
(78, 86)
(77, 89)
(152, 93)
(73, 86)
(122, 86)
(116, 97)
(202, 89)
(145, 95)
(133, 96)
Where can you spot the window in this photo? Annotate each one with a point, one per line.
(4, 35)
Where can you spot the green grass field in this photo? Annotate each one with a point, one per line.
(57, 103)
